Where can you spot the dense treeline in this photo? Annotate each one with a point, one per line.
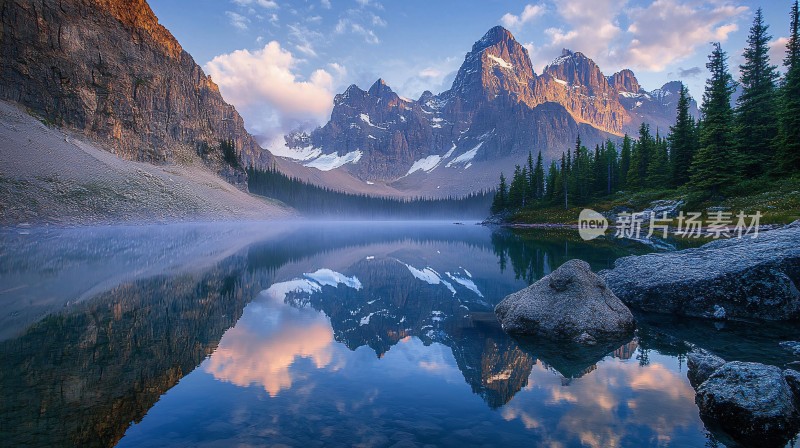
(318, 201)
(758, 138)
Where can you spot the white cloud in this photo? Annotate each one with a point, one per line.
(652, 38)
(378, 21)
(411, 80)
(325, 4)
(777, 52)
(347, 25)
(529, 13)
(340, 70)
(238, 21)
(268, 4)
(266, 90)
(304, 39)
(590, 26)
(668, 31)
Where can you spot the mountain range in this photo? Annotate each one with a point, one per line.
(496, 112)
(105, 74)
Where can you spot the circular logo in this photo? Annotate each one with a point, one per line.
(591, 224)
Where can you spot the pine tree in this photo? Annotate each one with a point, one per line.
(789, 111)
(530, 193)
(640, 158)
(599, 171)
(715, 163)
(682, 141)
(625, 161)
(516, 190)
(611, 167)
(550, 182)
(658, 167)
(756, 120)
(538, 177)
(499, 203)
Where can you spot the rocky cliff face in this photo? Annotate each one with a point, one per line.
(108, 69)
(497, 110)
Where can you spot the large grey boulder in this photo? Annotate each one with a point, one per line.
(792, 378)
(572, 303)
(701, 365)
(732, 278)
(750, 402)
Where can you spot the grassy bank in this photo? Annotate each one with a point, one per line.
(778, 201)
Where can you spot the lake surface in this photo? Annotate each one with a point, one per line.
(334, 334)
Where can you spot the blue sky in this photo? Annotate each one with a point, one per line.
(280, 62)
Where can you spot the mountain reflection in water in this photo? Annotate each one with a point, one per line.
(321, 334)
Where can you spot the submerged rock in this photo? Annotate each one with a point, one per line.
(572, 303)
(733, 278)
(792, 346)
(750, 402)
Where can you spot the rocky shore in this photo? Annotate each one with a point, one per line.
(747, 278)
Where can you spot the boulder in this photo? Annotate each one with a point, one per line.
(792, 378)
(702, 364)
(731, 278)
(751, 403)
(572, 303)
(792, 346)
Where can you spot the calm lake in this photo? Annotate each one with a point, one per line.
(334, 334)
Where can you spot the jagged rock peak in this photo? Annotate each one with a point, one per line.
(379, 88)
(353, 91)
(577, 69)
(625, 81)
(492, 37)
(565, 55)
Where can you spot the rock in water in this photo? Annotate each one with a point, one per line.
(572, 303)
(792, 378)
(733, 278)
(750, 402)
(702, 365)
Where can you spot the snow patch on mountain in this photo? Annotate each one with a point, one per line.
(365, 118)
(501, 62)
(449, 152)
(426, 164)
(465, 282)
(327, 277)
(279, 291)
(465, 158)
(327, 162)
(301, 153)
(429, 276)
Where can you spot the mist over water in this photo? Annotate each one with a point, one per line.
(322, 332)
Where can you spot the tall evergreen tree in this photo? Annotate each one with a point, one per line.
(538, 177)
(611, 167)
(625, 161)
(551, 181)
(756, 120)
(658, 167)
(715, 162)
(599, 171)
(789, 111)
(500, 202)
(516, 191)
(530, 193)
(640, 158)
(682, 141)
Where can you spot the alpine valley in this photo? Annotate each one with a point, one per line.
(496, 112)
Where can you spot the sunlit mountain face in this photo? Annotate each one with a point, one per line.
(326, 333)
